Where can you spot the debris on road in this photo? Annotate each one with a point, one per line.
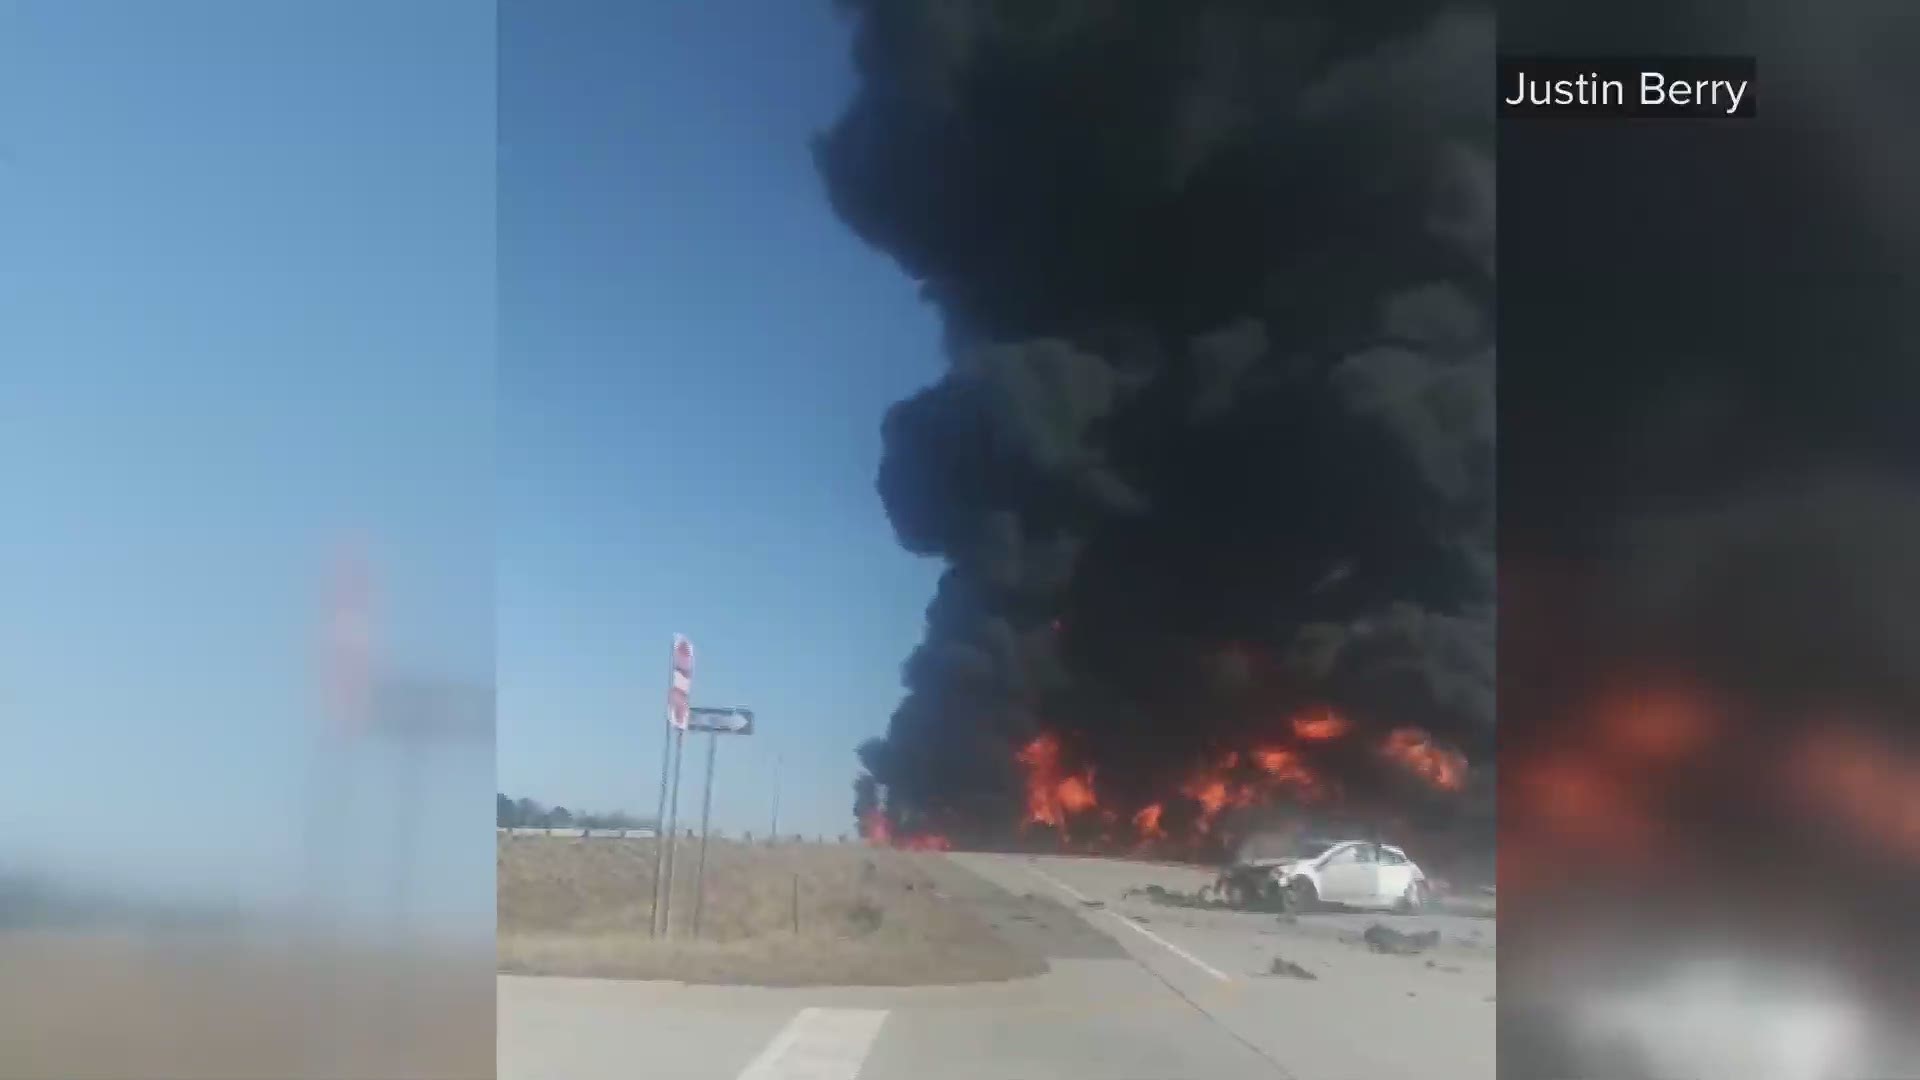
(1172, 898)
(1288, 969)
(1450, 969)
(1384, 939)
(1093, 903)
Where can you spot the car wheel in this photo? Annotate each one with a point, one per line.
(1414, 899)
(1302, 896)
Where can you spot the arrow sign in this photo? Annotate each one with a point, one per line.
(732, 720)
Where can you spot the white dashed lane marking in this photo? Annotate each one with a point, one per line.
(819, 1044)
(1131, 925)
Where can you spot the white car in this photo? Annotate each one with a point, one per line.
(1351, 873)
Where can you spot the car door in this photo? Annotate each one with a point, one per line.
(1349, 876)
(1395, 875)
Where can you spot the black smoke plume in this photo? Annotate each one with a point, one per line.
(1215, 439)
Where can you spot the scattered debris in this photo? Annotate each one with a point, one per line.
(1159, 894)
(1093, 903)
(1448, 968)
(1289, 969)
(1140, 918)
(1383, 939)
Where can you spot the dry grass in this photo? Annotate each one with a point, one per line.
(792, 915)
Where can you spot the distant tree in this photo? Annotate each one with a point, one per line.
(526, 813)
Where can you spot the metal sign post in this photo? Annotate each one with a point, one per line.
(715, 722)
(660, 825)
(670, 836)
(679, 693)
(706, 816)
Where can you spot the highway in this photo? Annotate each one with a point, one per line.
(1135, 990)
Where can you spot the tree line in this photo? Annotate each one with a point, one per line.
(529, 814)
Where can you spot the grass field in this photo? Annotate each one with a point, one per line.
(788, 915)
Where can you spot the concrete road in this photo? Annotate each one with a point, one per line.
(1135, 990)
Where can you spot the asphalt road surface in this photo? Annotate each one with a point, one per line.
(1136, 990)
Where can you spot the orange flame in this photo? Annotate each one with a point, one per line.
(1050, 795)
(1074, 794)
(875, 829)
(1320, 725)
(1228, 779)
(1866, 784)
(1416, 751)
(1575, 802)
(1210, 793)
(1148, 822)
(1658, 725)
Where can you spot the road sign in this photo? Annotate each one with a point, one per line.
(680, 682)
(732, 720)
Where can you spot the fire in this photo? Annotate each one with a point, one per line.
(875, 829)
(1074, 794)
(1868, 786)
(1416, 751)
(1576, 802)
(1210, 793)
(1662, 725)
(1148, 822)
(1051, 796)
(1320, 725)
(1228, 779)
(1284, 765)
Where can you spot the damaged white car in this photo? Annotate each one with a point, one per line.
(1351, 873)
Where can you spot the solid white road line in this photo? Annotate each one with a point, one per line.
(1061, 885)
(819, 1044)
(1131, 925)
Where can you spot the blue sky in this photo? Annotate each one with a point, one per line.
(695, 356)
(264, 289)
(248, 282)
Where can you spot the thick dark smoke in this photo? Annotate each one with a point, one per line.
(1215, 441)
(1710, 480)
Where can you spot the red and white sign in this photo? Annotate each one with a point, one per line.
(680, 682)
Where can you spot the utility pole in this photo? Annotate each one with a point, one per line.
(773, 829)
